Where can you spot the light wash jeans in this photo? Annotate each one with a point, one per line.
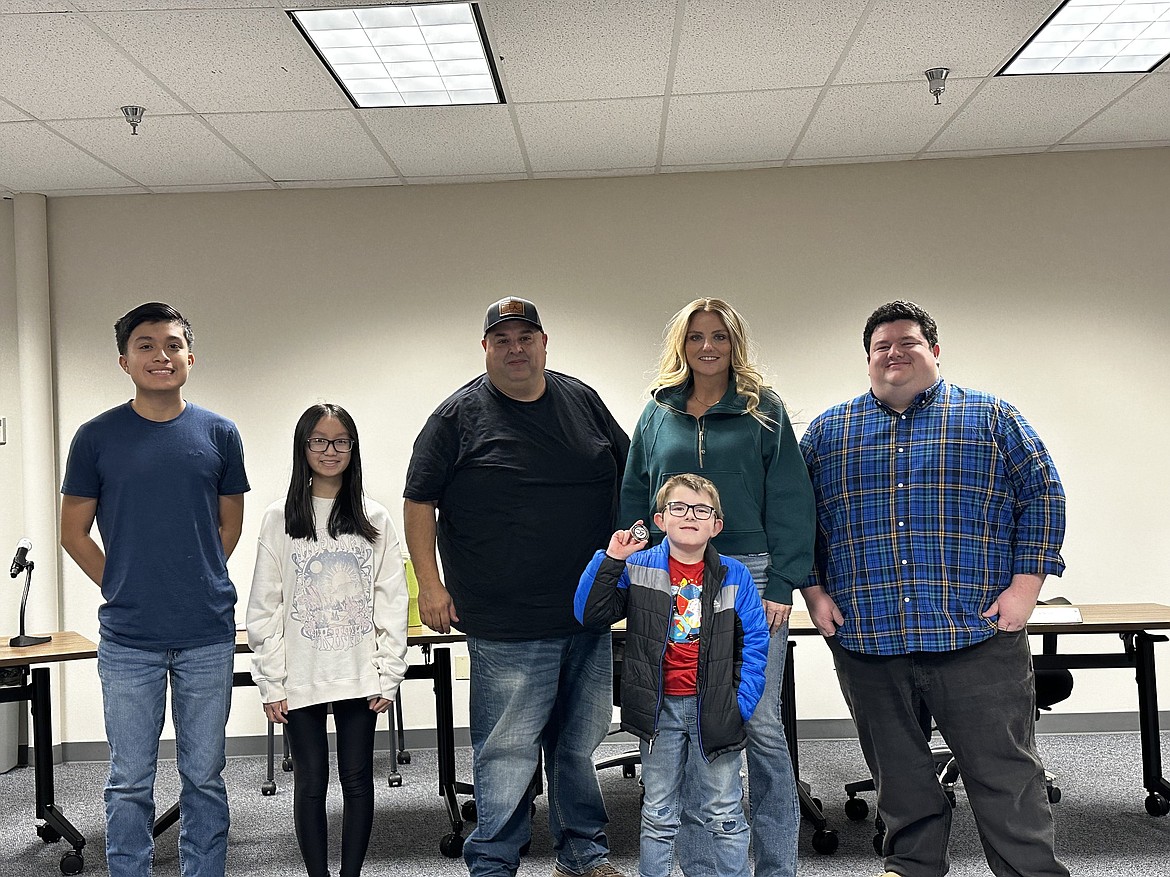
(772, 803)
(719, 809)
(134, 696)
(554, 694)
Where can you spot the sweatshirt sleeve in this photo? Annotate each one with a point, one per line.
(265, 616)
(790, 516)
(390, 610)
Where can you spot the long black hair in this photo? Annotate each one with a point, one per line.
(349, 512)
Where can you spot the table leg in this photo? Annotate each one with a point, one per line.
(1158, 802)
(824, 839)
(56, 826)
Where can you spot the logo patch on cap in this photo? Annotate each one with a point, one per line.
(511, 307)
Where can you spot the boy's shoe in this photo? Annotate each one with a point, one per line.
(889, 874)
(605, 869)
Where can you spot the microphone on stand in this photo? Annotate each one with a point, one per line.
(20, 561)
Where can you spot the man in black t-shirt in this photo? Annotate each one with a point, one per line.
(522, 466)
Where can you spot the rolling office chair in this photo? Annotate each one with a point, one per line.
(1052, 687)
(627, 761)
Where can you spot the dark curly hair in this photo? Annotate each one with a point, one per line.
(893, 311)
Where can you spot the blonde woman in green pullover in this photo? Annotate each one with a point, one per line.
(711, 413)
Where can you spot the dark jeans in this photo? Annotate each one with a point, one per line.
(355, 768)
(982, 699)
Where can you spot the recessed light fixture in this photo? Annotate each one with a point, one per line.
(422, 55)
(1095, 36)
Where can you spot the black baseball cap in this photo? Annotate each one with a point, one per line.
(511, 308)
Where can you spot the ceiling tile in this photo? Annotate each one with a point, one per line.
(232, 60)
(168, 151)
(135, 5)
(73, 73)
(442, 141)
(1025, 111)
(37, 6)
(34, 159)
(584, 135)
(325, 145)
(594, 174)
(116, 190)
(860, 120)
(850, 159)
(902, 38)
(469, 178)
(9, 113)
(215, 187)
(1140, 115)
(582, 50)
(743, 127)
(743, 45)
(338, 184)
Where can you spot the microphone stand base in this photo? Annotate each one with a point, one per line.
(23, 640)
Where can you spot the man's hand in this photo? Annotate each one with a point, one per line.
(777, 614)
(622, 544)
(277, 712)
(823, 611)
(1015, 604)
(436, 608)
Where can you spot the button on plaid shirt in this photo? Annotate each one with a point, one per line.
(924, 516)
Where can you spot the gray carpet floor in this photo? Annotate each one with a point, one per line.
(1101, 824)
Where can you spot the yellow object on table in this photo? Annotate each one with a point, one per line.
(412, 616)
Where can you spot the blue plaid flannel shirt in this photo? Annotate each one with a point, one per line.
(923, 517)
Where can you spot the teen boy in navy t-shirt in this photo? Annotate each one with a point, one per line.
(165, 481)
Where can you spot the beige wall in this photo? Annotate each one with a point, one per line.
(10, 465)
(1047, 275)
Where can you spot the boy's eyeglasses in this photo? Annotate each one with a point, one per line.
(680, 509)
(341, 445)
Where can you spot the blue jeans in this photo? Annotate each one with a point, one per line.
(719, 808)
(554, 694)
(134, 695)
(772, 802)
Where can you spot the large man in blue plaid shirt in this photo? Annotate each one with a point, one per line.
(939, 514)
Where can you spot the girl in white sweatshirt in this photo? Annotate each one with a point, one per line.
(327, 625)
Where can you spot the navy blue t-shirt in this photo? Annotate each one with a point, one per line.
(158, 486)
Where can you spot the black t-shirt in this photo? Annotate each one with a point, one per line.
(527, 492)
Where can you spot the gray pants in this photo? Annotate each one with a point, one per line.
(983, 701)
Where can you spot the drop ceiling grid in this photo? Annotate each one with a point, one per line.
(320, 145)
(1004, 112)
(33, 159)
(760, 44)
(867, 120)
(739, 127)
(581, 135)
(168, 151)
(584, 49)
(231, 60)
(1131, 118)
(902, 38)
(58, 67)
(460, 141)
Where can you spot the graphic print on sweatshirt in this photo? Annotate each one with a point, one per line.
(332, 594)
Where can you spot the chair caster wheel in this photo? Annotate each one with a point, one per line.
(469, 812)
(72, 863)
(50, 835)
(1053, 794)
(268, 789)
(451, 845)
(825, 841)
(394, 780)
(856, 809)
(404, 757)
(819, 804)
(286, 765)
(1157, 805)
(629, 771)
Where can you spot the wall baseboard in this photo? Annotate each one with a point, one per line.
(424, 738)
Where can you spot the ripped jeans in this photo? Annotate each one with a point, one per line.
(721, 794)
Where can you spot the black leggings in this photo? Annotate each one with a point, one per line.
(355, 768)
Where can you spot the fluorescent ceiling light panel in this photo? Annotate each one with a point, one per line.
(431, 54)
(1096, 36)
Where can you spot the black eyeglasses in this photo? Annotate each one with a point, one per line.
(341, 445)
(680, 509)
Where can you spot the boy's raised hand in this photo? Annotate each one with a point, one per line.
(622, 543)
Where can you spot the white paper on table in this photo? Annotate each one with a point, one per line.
(1055, 615)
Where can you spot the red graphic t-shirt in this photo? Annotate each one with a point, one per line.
(680, 664)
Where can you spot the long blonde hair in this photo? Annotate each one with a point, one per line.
(673, 370)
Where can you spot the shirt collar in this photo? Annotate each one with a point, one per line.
(919, 402)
